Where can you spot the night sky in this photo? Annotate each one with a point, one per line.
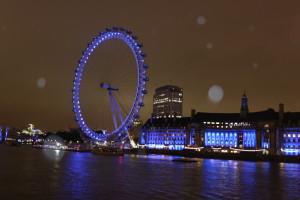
(252, 46)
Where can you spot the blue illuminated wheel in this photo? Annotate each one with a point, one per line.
(141, 68)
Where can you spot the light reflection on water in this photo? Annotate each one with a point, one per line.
(29, 174)
(52, 154)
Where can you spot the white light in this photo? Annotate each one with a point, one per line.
(41, 82)
(215, 93)
(209, 45)
(201, 20)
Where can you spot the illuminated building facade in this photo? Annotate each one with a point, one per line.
(266, 132)
(3, 134)
(167, 102)
(234, 132)
(291, 141)
(30, 135)
(290, 137)
(164, 133)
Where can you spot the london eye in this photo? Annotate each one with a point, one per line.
(122, 121)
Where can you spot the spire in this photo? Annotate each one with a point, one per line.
(244, 106)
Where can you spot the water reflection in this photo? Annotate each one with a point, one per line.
(93, 177)
(53, 154)
(76, 176)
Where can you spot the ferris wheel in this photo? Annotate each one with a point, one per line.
(122, 121)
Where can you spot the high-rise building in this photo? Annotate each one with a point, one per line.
(167, 102)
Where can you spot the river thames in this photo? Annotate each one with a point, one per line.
(27, 173)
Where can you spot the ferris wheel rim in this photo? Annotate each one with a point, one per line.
(136, 49)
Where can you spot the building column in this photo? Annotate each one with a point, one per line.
(259, 136)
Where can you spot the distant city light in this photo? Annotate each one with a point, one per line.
(31, 130)
(215, 93)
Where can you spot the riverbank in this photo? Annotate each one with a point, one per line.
(52, 147)
(254, 157)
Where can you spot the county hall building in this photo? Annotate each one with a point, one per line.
(268, 132)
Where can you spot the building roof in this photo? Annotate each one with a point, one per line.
(290, 118)
(167, 122)
(168, 87)
(292, 115)
(265, 115)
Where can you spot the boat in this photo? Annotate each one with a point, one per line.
(108, 151)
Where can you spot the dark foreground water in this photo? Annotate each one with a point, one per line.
(27, 173)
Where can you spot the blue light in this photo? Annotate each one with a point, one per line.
(171, 139)
(295, 152)
(265, 139)
(249, 139)
(192, 137)
(265, 145)
(291, 141)
(1, 135)
(6, 133)
(220, 138)
(131, 42)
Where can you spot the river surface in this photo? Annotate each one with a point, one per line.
(27, 173)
